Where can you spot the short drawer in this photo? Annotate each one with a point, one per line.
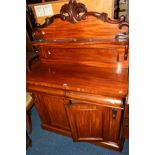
(79, 54)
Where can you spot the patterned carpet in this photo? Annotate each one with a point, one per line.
(49, 143)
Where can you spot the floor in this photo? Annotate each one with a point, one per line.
(49, 143)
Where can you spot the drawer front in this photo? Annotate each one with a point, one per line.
(79, 54)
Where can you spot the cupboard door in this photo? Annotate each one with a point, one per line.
(52, 110)
(91, 122)
(115, 116)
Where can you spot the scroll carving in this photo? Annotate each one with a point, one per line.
(74, 12)
(38, 35)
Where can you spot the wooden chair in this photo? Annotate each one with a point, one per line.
(29, 104)
(31, 54)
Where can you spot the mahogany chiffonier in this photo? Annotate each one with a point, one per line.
(80, 81)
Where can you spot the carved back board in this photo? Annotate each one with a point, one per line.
(75, 22)
(76, 32)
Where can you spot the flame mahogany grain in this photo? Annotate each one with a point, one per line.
(80, 82)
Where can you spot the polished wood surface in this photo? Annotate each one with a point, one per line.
(88, 24)
(91, 29)
(90, 122)
(52, 106)
(81, 79)
(80, 82)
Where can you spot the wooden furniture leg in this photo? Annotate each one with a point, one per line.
(28, 120)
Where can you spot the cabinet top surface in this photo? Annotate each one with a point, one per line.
(80, 78)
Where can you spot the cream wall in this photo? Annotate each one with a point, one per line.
(106, 6)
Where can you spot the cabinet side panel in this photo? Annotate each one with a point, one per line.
(42, 109)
